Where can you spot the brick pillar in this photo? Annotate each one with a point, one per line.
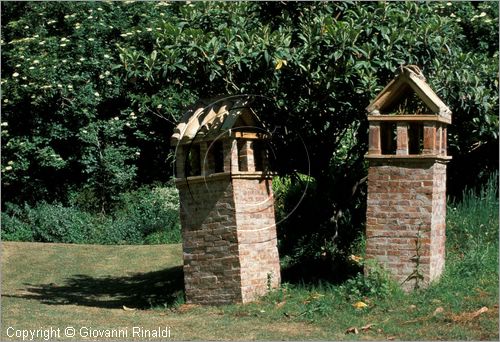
(257, 239)
(374, 138)
(230, 151)
(402, 138)
(204, 159)
(444, 142)
(246, 156)
(439, 138)
(407, 205)
(229, 235)
(209, 240)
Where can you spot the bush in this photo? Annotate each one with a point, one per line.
(47, 223)
(473, 222)
(375, 283)
(148, 216)
(144, 216)
(14, 229)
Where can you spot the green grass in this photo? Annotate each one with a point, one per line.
(59, 285)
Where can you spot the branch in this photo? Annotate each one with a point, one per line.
(159, 115)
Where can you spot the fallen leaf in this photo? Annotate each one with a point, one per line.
(438, 311)
(280, 304)
(186, 307)
(126, 308)
(481, 292)
(360, 305)
(480, 311)
(412, 307)
(352, 330)
(279, 64)
(391, 338)
(242, 314)
(367, 327)
(467, 316)
(316, 295)
(355, 258)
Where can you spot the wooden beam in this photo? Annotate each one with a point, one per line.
(410, 118)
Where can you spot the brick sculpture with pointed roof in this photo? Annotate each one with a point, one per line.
(226, 203)
(406, 209)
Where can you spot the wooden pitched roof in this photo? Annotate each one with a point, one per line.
(409, 80)
(209, 118)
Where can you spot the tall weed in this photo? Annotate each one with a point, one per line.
(472, 223)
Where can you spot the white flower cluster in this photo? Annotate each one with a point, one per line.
(481, 15)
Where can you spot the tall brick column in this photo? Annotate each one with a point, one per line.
(227, 213)
(406, 212)
(406, 208)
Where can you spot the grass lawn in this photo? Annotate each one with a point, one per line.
(60, 285)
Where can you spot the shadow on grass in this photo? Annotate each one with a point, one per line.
(142, 291)
(313, 272)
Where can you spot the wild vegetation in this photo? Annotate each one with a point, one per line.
(91, 92)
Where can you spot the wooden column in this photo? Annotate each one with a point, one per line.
(180, 160)
(429, 138)
(402, 138)
(374, 146)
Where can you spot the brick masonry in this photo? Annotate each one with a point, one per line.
(407, 199)
(229, 237)
(259, 260)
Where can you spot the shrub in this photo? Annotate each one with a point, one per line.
(375, 283)
(47, 223)
(149, 215)
(14, 229)
(146, 215)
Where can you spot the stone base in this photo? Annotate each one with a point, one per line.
(406, 218)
